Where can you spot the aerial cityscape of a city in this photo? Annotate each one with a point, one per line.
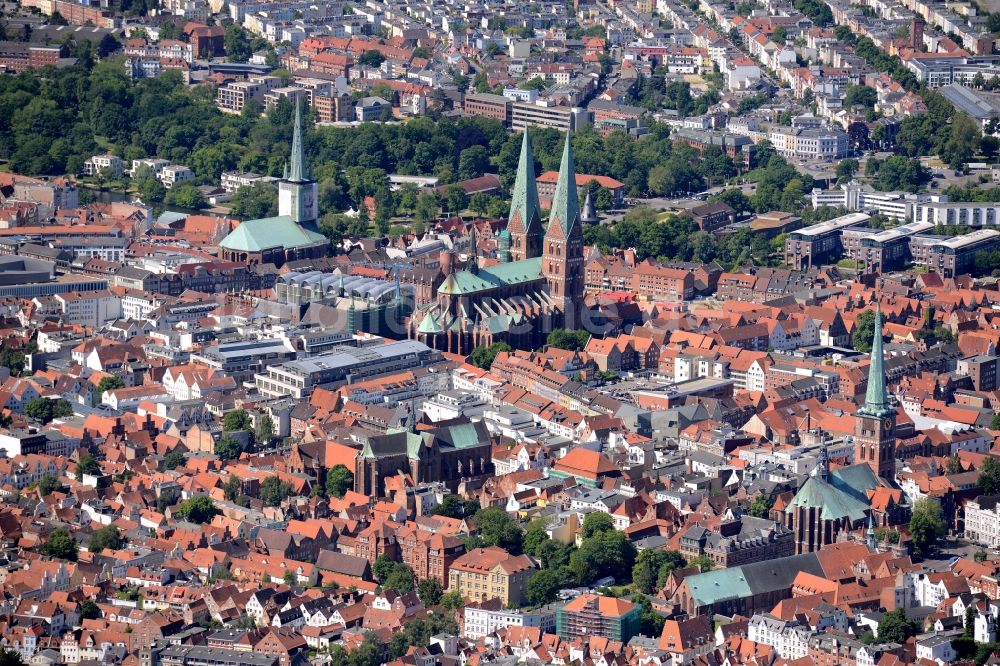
(563, 332)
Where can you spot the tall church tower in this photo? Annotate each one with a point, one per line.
(875, 435)
(297, 191)
(562, 251)
(525, 222)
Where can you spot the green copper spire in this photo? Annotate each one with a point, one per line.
(524, 199)
(876, 400)
(565, 200)
(297, 173)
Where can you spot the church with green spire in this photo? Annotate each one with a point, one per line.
(292, 234)
(832, 503)
(537, 286)
(875, 434)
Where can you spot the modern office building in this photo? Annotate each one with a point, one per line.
(820, 243)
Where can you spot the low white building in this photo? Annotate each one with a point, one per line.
(490, 616)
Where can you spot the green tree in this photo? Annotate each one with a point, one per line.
(109, 383)
(228, 447)
(40, 409)
(173, 460)
(273, 491)
(927, 525)
(48, 484)
(496, 528)
(426, 208)
(894, 627)
(236, 419)
(535, 535)
(995, 422)
(846, 169)
(263, 431)
(597, 523)
(371, 58)
(864, 332)
(106, 537)
(237, 44)
(454, 506)
(452, 600)
(649, 565)
(760, 507)
(89, 610)
(954, 465)
(861, 96)
(544, 585)
(61, 545)
(149, 187)
(199, 510)
(87, 465)
(483, 357)
(430, 592)
(703, 562)
(607, 553)
(384, 565)
(186, 195)
(401, 579)
(338, 481)
(233, 488)
(455, 199)
(473, 162)
(989, 476)
(569, 339)
(255, 202)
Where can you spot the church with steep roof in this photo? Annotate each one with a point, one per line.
(536, 287)
(832, 503)
(292, 234)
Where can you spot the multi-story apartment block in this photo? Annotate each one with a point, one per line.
(491, 573)
(232, 97)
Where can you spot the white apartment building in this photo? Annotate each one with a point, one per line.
(789, 639)
(234, 180)
(982, 521)
(110, 166)
(89, 308)
(483, 619)
(810, 143)
(173, 174)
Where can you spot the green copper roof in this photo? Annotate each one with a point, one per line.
(270, 232)
(565, 200)
(876, 401)
(524, 199)
(297, 173)
(430, 324)
(714, 586)
(834, 502)
(485, 279)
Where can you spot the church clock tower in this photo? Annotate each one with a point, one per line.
(562, 251)
(875, 433)
(297, 191)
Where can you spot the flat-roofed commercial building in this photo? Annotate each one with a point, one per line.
(562, 118)
(819, 243)
(497, 107)
(880, 250)
(954, 256)
(298, 378)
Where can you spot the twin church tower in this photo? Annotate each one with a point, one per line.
(537, 285)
